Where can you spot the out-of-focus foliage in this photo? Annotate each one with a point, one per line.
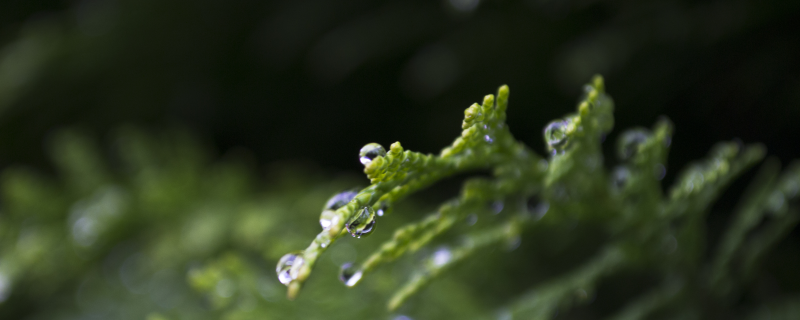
(159, 230)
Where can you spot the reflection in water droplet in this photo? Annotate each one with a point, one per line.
(630, 141)
(660, 171)
(371, 151)
(441, 257)
(555, 135)
(288, 267)
(362, 223)
(472, 219)
(349, 274)
(339, 200)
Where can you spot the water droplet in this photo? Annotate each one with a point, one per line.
(660, 171)
(324, 239)
(488, 138)
(362, 223)
(383, 209)
(441, 257)
(288, 266)
(349, 274)
(472, 219)
(620, 177)
(537, 207)
(371, 151)
(629, 142)
(327, 219)
(497, 206)
(340, 200)
(555, 135)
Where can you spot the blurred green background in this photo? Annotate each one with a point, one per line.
(181, 120)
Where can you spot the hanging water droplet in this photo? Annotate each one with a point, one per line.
(629, 142)
(288, 266)
(371, 151)
(362, 223)
(555, 135)
(349, 274)
(620, 177)
(441, 257)
(340, 200)
(536, 207)
(383, 209)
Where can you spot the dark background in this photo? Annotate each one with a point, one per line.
(315, 80)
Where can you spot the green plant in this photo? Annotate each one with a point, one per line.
(155, 227)
(641, 227)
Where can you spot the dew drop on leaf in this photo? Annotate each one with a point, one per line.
(555, 134)
(340, 200)
(326, 219)
(383, 209)
(371, 151)
(362, 223)
(630, 141)
(349, 274)
(288, 266)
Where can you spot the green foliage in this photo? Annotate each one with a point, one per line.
(155, 229)
(641, 223)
